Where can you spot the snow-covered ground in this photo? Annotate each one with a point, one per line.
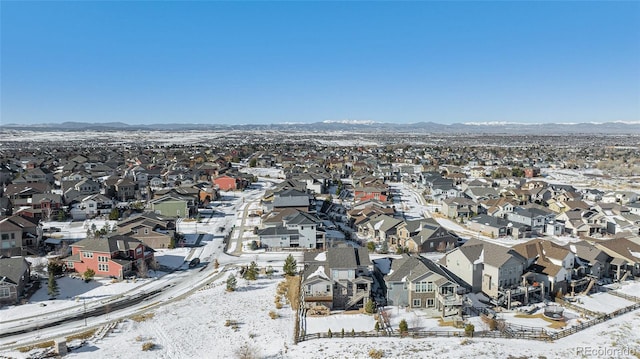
(602, 302)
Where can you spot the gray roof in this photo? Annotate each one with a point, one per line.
(111, 244)
(412, 268)
(14, 269)
(347, 257)
(302, 218)
(297, 201)
(277, 230)
(494, 254)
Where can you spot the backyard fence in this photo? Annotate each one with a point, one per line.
(507, 331)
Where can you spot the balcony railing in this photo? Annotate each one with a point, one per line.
(317, 296)
(449, 298)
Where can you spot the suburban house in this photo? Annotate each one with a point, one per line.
(227, 183)
(548, 263)
(379, 191)
(91, 206)
(291, 198)
(151, 229)
(496, 227)
(625, 254)
(31, 232)
(172, 205)
(10, 238)
(114, 256)
(298, 229)
(534, 218)
(379, 227)
(459, 207)
(340, 278)
(485, 267)
(590, 260)
(15, 274)
(420, 283)
(425, 235)
(584, 223)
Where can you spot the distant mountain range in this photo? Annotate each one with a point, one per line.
(608, 128)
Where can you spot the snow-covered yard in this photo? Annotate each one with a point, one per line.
(602, 302)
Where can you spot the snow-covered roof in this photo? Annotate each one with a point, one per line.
(321, 257)
(319, 273)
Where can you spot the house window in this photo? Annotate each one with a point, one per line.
(104, 259)
(4, 292)
(421, 287)
(146, 231)
(103, 267)
(70, 265)
(416, 303)
(87, 254)
(328, 288)
(430, 302)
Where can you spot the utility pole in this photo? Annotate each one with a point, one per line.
(84, 301)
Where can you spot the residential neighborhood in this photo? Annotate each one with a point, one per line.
(490, 242)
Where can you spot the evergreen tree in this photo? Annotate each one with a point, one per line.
(88, 274)
(231, 283)
(114, 214)
(384, 248)
(52, 288)
(370, 307)
(290, 267)
(371, 246)
(252, 272)
(403, 326)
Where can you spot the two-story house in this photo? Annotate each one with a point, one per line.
(298, 229)
(459, 207)
(114, 256)
(485, 266)
(15, 274)
(150, 228)
(420, 283)
(548, 263)
(340, 278)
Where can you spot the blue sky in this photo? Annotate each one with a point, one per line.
(274, 62)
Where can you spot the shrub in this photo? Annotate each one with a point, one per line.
(231, 283)
(88, 274)
(329, 333)
(469, 329)
(376, 353)
(148, 346)
(377, 327)
(403, 326)
(370, 307)
(353, 332)
(278, 305)
(142, 317)
(371, 246)
(273, 314)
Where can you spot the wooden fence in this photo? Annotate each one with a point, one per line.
(509, 331)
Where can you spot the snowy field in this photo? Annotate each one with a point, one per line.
(602, 302)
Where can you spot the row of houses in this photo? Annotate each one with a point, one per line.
(344, 278)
